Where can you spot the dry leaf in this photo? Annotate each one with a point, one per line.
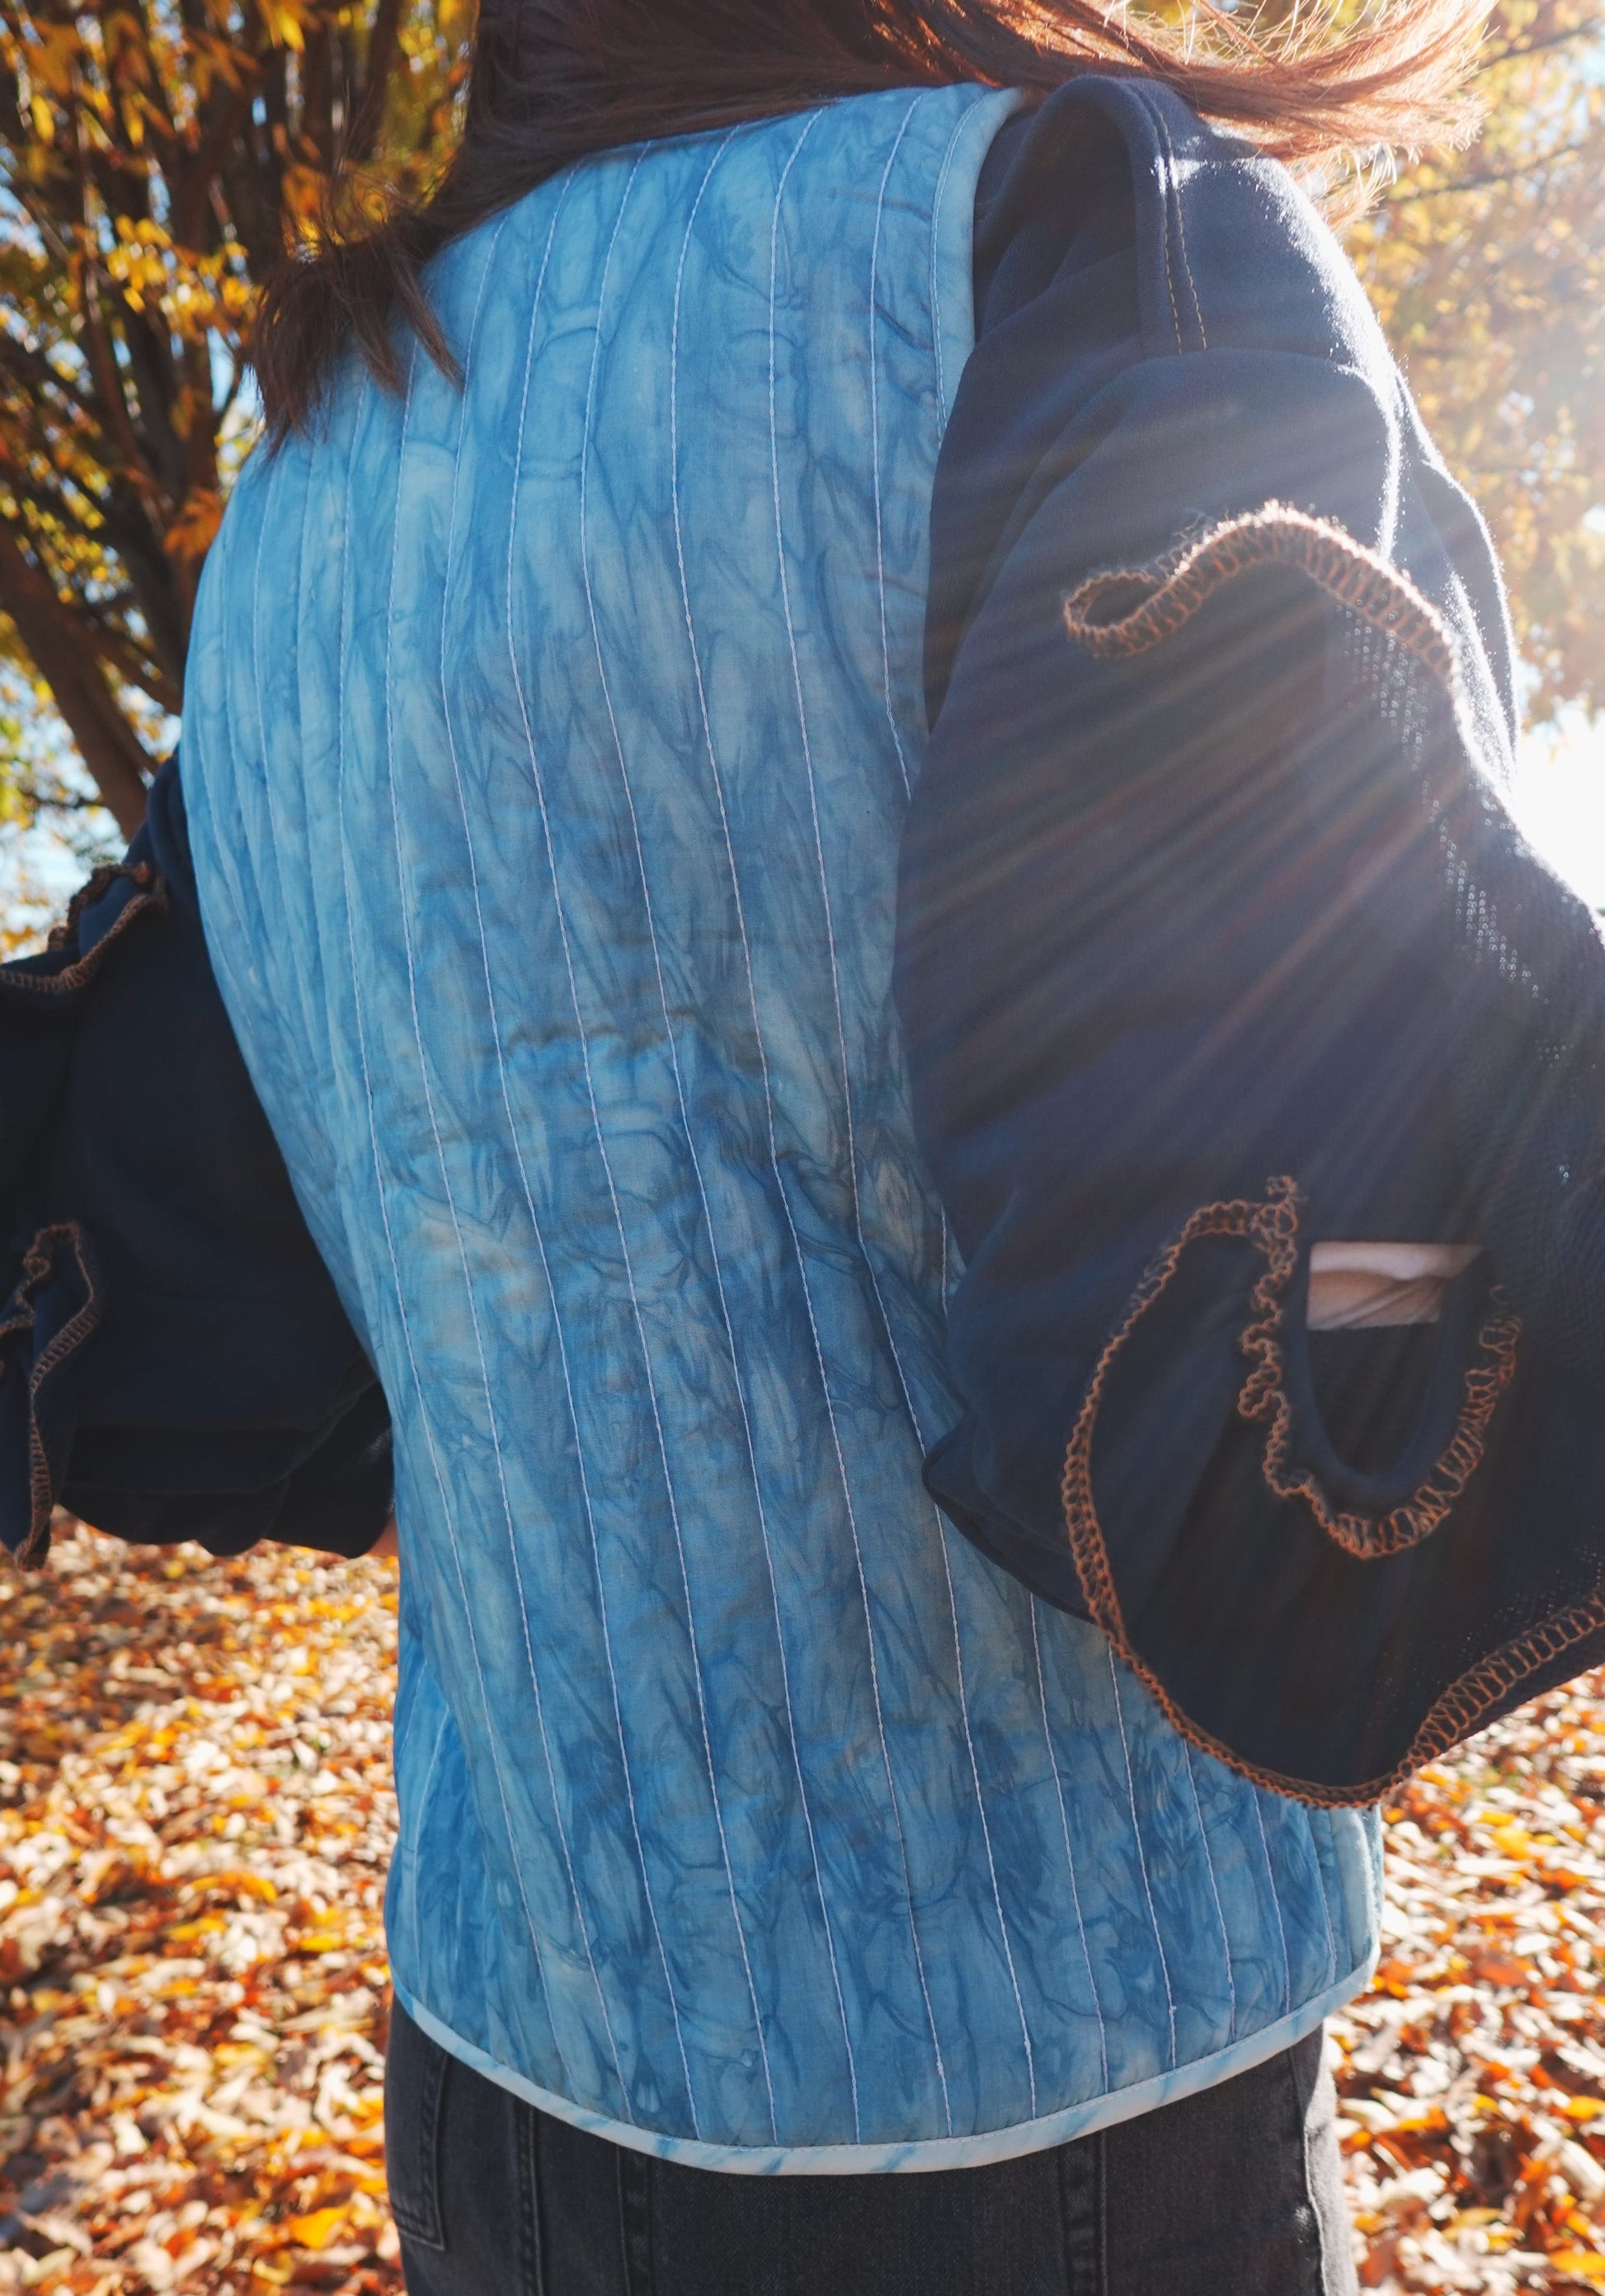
(195, 1818)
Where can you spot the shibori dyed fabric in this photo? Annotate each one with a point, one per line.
(548, 745)
(1240, 952)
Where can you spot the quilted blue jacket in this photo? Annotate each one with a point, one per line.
(548, 754)
(547, 746)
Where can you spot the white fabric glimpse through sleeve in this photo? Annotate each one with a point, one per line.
(1361, 1286)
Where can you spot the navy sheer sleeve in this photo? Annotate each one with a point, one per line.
(173, 1360)
(1216, 941)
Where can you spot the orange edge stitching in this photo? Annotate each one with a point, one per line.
(37, 1265)
(1272, 1226)
(1264, 1397)
(153, 895)
(98, 882)
(1178, 586)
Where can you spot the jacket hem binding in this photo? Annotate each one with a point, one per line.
(921, 2153)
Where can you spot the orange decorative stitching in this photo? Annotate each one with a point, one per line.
(1264, 1397)
(38, 1263)
(98, 882)
(1087, 1549)
(1272, 1226)
(1171, 589)
(1452, 1717)
(152, 895)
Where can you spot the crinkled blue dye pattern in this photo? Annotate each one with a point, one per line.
(546, 749)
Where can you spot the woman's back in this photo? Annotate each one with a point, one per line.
(546, 755)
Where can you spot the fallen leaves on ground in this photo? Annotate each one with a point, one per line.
(195, 1818)
(1473, 2074)
(195, 1815)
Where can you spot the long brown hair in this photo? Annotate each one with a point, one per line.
(553, 81)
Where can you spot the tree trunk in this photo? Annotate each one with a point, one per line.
(54, 638)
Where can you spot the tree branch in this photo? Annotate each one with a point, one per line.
(1489, 179)
(18, 357)
(382, 43)
(116, 648)
(53, 637)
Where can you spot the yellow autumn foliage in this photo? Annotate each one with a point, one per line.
(157, 161)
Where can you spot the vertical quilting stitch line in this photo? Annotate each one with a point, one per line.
(448, 1516)
(980, 1803)
(874, 366)
(674, 1060)
(1281, 1927)
(1136, 1833)
(231, 721)
(1175, 207)
(886, 655)
(317, 965)
(280, 844)
(936, 336)
(274, 471)
(410, 1875)
(1220, 1911)
(936, 286)
(441, 1155)
(227, 855)
(853, 1142)
(537, 780)
(314, 970)
(1326, 1905)
(869, 1624)
(696, 664)
(518, 1574)
(1070, 1855)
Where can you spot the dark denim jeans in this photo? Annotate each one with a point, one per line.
(1236, 2192)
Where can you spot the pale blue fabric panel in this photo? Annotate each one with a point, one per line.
(546, 754)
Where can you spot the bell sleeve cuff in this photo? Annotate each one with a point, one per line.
(175, 1361)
